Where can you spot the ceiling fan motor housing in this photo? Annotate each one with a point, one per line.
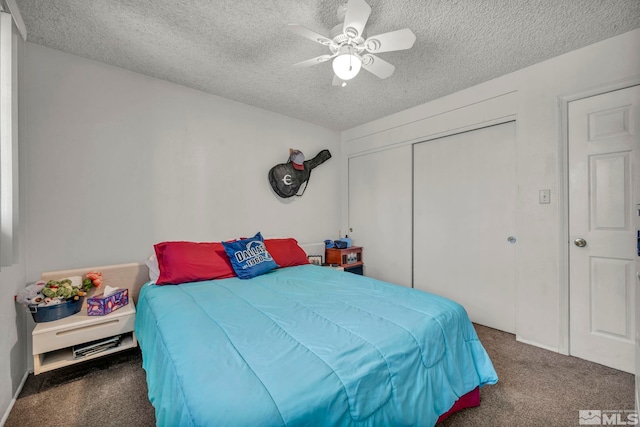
(341, 39)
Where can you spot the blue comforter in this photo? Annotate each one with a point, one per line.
(305, 345)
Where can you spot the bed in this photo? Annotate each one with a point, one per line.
(306, 345)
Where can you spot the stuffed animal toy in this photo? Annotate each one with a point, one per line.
(52, 292)
(31, 294)
(60, 289)
(92, 279)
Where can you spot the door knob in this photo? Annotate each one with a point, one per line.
(581, 243)
(511, 239)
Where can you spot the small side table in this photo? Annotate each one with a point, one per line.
(53, 341)
(349, 258)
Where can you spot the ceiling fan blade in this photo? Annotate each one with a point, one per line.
(355, 18)
(376, 66)
(337, 81)
(311, 35)
(394, 40)
(313, 61)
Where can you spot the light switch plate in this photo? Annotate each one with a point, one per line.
(544, 197)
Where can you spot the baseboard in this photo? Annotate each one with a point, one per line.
(13, 401)
(535, 344)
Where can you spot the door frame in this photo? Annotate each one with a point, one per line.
(563, 197)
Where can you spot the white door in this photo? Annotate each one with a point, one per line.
(380, 212)
(464, 213)
(603, 144)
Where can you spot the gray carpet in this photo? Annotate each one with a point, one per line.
(536, 388)
(109, 391)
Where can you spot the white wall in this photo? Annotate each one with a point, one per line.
(118, 161)
(13, 330)
(532, 96)
(13, 346)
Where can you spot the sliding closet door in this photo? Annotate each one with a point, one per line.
(464, 216)
(380, 212)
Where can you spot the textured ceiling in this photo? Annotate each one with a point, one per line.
(242, 50)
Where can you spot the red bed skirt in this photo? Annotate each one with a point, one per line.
(468, 400)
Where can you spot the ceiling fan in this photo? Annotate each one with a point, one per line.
(351, 49)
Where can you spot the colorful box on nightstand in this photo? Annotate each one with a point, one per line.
(101, 305)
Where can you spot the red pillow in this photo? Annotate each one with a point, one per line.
(183, 262)
(286, 252)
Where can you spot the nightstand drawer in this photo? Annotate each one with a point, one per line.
(80, 328)
(107, 327)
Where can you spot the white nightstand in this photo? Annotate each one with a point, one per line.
(53, 341)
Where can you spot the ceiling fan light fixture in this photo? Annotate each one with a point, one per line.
(347, 65)
(350, 49)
